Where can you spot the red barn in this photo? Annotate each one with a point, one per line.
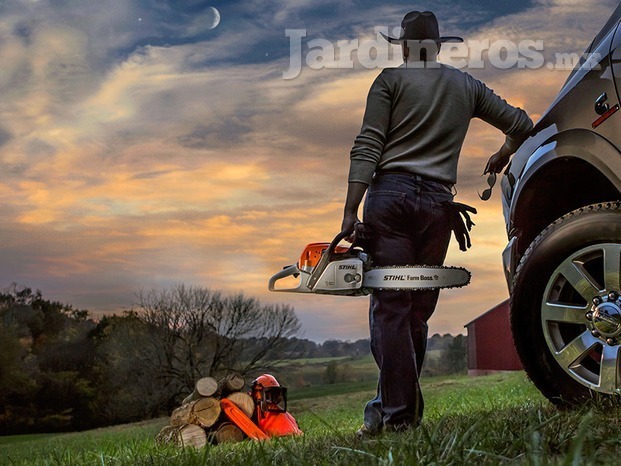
(490, 343)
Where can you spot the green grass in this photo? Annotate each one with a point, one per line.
(327, 390)
(311, 361)
(13, 439)
(485, 420)
(307, 374)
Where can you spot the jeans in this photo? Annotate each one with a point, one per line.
(407, 226)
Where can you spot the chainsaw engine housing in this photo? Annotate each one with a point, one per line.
(341, 275)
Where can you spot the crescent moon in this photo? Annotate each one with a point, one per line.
(213, 17)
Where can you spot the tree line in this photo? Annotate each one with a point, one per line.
(62, 370)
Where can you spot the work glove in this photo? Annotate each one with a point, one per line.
(461, 223)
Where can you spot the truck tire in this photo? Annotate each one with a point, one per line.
(566, 309)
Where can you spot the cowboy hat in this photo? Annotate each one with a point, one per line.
(420, 26)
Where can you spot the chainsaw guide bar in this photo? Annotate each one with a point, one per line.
(422, 277)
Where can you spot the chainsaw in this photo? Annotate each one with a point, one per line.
(327, 268)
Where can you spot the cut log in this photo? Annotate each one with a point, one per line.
(205, 411)
(192, 435)
(166, 435)
(206, 386)
(232, 382)
(188, 435)
(243, 402)
(182, 415)
(228, 432)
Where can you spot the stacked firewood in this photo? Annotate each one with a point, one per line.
(200, 420)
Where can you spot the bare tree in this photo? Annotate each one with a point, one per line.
(194, 332)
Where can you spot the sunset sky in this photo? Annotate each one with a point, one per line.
(143, 145)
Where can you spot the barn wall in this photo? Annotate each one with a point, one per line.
(490, 343)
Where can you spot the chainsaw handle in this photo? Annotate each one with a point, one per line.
(326, 257)
(288, 271)
(338, 238)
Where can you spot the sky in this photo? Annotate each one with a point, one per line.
(147, 143)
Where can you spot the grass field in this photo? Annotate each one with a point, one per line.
(486, 420)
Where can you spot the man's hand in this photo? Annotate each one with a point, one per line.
(497, 162)
(349, 220)
(500, 159)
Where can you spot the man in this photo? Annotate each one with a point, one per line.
(405, 159)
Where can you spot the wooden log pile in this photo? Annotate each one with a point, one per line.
(200, 419)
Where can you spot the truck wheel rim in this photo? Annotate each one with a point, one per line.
(581, 316)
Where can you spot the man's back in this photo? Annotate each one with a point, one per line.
(417, 118)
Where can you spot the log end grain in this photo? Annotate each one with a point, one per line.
(243, 402)
(206, 411)
(228, 433)
(207, 386)
(192, 435)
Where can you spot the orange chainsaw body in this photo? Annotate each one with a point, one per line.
(312, 253)
(239, 418)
